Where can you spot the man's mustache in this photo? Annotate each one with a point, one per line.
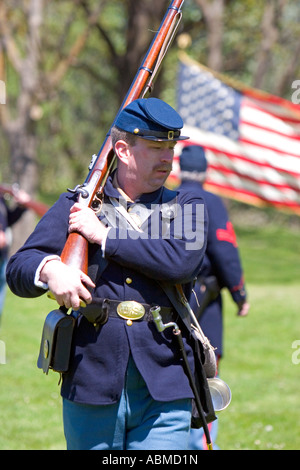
(163, 168)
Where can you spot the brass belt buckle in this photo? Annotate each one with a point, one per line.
(130, 310)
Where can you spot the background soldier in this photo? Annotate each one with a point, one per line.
(221, 267)
(8, 217)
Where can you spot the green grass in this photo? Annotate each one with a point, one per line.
(30, 402)
(257, 365)
(264, 412)
(270, 254)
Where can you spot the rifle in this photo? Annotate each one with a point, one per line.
(90, 193)
(38, 207)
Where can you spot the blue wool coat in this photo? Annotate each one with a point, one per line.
(135, 268)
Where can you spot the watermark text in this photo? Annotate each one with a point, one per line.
(2, 353)
(2, 92)
(184, 223)
(296, 353)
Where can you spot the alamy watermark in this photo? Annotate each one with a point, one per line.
(2, 92)
(184, 223)
(2, 353)
(296, 353)
(296, 95)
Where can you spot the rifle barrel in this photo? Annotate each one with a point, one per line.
(75, 251)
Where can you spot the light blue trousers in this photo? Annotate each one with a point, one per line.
(136, 422)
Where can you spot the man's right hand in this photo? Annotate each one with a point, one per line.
(68, 284)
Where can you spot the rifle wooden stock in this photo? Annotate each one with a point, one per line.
(38, 207)
(75, 251)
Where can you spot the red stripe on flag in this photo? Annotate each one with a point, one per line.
(251, 138)
(225, 170)
(247, 159)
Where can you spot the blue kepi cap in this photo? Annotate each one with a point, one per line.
(151, 119)
(193, 158)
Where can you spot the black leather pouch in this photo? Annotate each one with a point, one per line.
(56, 342)
(202, 387)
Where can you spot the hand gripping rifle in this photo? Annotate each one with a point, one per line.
(75, 252)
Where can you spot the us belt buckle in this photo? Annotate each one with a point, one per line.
(130, 310)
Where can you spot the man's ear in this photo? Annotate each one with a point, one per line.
(122, 151)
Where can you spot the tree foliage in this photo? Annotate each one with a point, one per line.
(67, 65)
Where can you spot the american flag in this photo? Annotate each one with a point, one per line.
(251, 139)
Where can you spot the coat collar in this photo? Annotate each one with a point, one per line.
(111, 190)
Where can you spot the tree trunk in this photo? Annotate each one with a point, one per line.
(21, 130)
(213, 12)
(23, 144)
(144, 18)
(269, 37)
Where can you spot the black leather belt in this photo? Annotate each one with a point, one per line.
(101, 309)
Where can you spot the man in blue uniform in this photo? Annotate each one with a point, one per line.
(126, 387)
(8, 217)
(221, 266)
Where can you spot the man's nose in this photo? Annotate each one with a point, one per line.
(167, 155)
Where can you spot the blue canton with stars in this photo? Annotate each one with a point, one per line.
(206, 103)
